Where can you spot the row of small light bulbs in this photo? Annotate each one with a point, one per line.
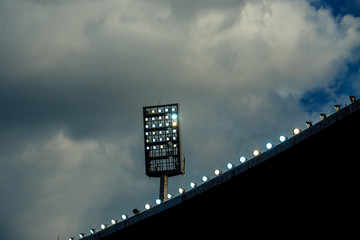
(217, 172)
(181, 190)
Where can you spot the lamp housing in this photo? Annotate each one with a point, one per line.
(162, 140)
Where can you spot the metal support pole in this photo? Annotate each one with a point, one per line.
(163, 188)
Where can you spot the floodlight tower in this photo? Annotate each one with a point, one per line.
(162, 140)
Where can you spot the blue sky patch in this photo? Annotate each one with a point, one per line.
(339, 8)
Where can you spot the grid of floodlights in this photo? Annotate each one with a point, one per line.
(162, 140)
(217, 172)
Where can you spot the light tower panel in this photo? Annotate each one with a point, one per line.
(162, 140)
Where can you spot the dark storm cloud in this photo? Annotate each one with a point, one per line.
(75, 75)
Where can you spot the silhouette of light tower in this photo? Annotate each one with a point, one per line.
(162, 140)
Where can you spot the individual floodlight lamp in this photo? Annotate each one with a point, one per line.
(352, 98)
(337, 107)
(242, 159)
(158, 201)
(81, 235)
(182, 190)
(147, 206)
(162, 142)
(229, 165)
(193, 185)
(256, 153)
(269, 146)
(170, 196)
(136, 211)
(93, 230)
(205, 178)
(282, 138)
(296, 131)
(114, 221)
(71, 238)
(217, 172)
(308, 124)
(322, 115)
(124, 216)
(103, 226)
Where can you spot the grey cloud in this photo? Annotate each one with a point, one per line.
(74, 78)
(189, 10)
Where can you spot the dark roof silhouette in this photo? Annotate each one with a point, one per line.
(306, 186)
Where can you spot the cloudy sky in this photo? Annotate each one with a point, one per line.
(75, 74)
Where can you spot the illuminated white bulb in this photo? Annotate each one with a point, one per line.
(229, 166)
(205, 178)
(193, 185)
(217, 172)
(282, 138)
(256, 152)
(296, 131)
(269, 145)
